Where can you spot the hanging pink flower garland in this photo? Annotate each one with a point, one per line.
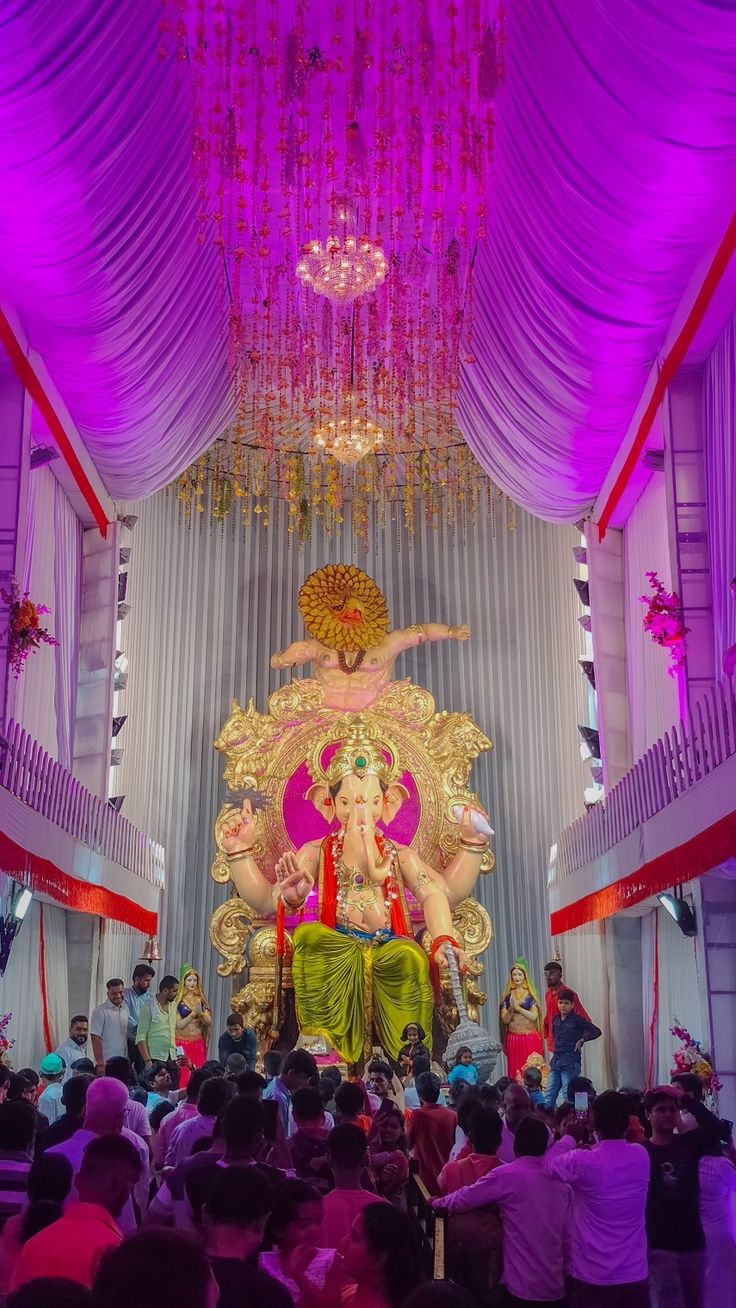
(664, 622)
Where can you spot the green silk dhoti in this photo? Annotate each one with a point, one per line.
(345, 987)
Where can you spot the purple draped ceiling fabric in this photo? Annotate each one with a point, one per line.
(614, 170)
(98, 234)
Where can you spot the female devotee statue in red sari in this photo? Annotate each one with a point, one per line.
(521, 1018)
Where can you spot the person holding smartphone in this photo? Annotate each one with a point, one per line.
(570, 1032)
(609, 1183)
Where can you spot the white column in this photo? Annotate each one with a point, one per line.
(607, 598)
(96, 658)
(688, 518)
(15, 419)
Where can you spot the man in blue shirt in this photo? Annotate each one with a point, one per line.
(570, 1032)
(135, 996)
(298, 1069)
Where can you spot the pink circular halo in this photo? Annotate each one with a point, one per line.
(303, 822)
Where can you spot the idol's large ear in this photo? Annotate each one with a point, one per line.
(321, 798)
(393, 799)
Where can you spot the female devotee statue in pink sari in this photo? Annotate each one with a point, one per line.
(521, 1018)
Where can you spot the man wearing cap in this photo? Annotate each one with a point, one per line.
(52, 1074)
(75, 1045)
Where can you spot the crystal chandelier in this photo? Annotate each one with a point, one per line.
(348, 437)
(347, 265)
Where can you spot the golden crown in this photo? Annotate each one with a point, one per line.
(361, 756)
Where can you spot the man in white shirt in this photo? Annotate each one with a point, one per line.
(108, 1026)
(535, 1212)
(609, 1183)
(104, 1114)
(516, 1106)
(75, 1045)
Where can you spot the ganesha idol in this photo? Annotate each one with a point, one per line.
(393, 849)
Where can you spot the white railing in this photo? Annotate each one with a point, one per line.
(29, 773)
(679, 760)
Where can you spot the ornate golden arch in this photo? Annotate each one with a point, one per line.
(263, 750)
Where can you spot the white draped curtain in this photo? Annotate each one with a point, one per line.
(67, 603)
(583, 952)
(43, 699)
(115, 952)
(31, 699)
(209, 606)
(671, 990)
(679, 991)
(719, 449)
(37, 968)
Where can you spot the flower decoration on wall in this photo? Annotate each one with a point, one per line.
(25, 633)
(690, 1058)
(664, 622)
(6, 1044)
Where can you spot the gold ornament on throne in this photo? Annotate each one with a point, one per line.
(536, 1061)
(263, 750)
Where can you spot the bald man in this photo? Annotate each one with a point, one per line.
(104, 1114)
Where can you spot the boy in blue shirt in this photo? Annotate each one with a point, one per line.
(532, 1080)
(570, 1032)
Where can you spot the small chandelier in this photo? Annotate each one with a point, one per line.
(347, 265)
(348, 438)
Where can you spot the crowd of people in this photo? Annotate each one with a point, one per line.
(297, 1186)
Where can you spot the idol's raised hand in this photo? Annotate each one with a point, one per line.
(473, 824)
(460, 955)
(238, 836)
(459, 633)
(293, 882)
